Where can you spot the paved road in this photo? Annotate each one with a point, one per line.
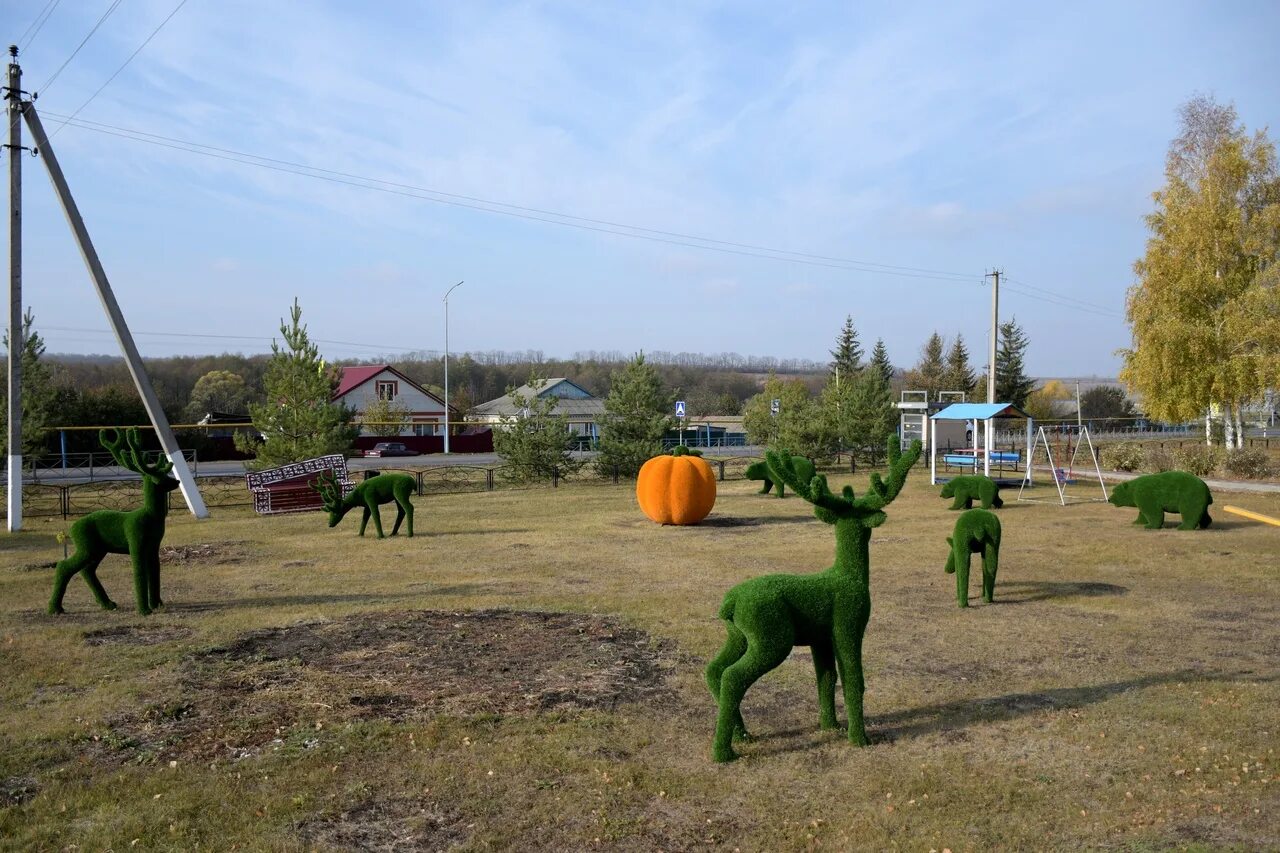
(430, 460)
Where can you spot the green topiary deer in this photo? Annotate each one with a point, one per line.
(137, 533)
(767, 616)
(760, 471)
(977, 532)
(382, 489)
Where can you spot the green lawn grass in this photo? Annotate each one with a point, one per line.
(1120, 693)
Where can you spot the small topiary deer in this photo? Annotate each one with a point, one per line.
(977, 532)
(382, 489)
(137, 533)
(760, 471)
(767, 616)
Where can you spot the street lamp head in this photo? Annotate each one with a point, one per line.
(451, 290)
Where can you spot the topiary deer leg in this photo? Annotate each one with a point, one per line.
(990, 562)
(849, 659)
(377, 517)
(364, 520)
(395, 528)
(824, 666)
(90, 575)
(735, 647)
(735, 680)
(153, 579)
(141, 576)
(81, 560)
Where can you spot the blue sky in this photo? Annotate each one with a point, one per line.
(949, 137)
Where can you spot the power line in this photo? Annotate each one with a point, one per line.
(1052, 300)
(1021, 283)
(113, 76)
(107, 14)
(517, 211)
(38, 24)
(378, 347)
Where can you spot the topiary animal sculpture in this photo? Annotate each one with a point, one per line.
(760, 471)
(137, 533)
(968, 489)
(977, 532)
(767, 616)
(382, 489)
(1168, 491)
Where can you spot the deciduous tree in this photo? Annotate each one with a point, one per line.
(1205, 311)
(218, 391)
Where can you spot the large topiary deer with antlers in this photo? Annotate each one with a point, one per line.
(768, 616)
(137, 533)
(382, 489)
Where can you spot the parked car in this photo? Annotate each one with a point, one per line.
(391, 448)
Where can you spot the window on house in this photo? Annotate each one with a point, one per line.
(388, 390)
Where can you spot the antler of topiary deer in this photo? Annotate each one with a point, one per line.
(137, 533)
(382, 489)
(767, 616)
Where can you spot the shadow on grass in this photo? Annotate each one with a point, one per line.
(1021, 592)
(952, 718)
(731, 521)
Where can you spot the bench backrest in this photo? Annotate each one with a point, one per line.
(288, 487)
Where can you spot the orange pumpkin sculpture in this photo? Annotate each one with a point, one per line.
(676, 489)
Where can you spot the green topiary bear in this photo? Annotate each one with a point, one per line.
(767, 616)
(760, 471)
(382, 489)
(137, 533)
(1168, 491)
(968, 489)
(977, 532)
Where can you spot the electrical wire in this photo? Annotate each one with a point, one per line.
(256, 338)
(107, 14)
(517, 211)
(37, 24)
(123, 65)
(1057, 295)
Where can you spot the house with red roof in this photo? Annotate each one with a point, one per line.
(362, 385)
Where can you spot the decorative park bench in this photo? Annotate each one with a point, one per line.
(288, 488)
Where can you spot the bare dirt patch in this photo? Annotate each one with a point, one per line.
(136, 635)
(277, 688)
(203, 552)
(386, 825)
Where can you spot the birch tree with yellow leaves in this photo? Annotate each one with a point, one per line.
(1205, 310)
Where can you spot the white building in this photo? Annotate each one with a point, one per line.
(363, 385)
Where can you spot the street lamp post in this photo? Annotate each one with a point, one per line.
(446, 365)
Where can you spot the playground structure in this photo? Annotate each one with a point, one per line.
(962, 423)
(1059, 459)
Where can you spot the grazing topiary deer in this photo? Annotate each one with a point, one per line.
(760, 471)
(137, 533)
(382, 489)
(767, 616)
(977, 532)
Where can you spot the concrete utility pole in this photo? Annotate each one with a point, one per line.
(132, 358)
(17, 343)
(446, 364)
(995, 334)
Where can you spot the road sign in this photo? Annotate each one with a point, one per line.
(679, 408)
(774, 405)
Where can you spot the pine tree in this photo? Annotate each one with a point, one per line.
(929, 373)
(37, 391)
(880, 361)
(299, 419)
(1012, 383)
(874, 417)
(535, 444)
(636, 416)
(958, 375)
(847, 356)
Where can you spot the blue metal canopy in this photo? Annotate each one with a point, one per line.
(979, 412)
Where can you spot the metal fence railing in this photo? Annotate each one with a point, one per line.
(68, 499)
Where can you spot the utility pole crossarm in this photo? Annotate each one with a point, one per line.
(132, 358)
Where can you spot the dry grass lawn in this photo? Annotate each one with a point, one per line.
(308, 689)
